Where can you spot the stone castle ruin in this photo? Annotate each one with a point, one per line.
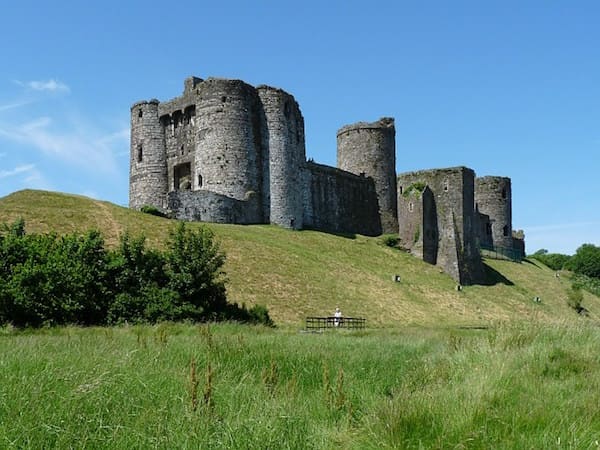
(228, 152)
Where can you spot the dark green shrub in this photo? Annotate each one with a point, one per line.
(555, 261)
(589, 284)
(194, 267)
(51, 280)
(586, 261)
(389, 240)
(153, 210)
(417, 187)
(260, 314)
(58, 280)
(574, 298)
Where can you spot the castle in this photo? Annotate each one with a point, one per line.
(228, 152)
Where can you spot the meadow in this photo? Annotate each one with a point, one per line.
(478, 368)
(229, 386)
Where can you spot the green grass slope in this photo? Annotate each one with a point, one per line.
(301, 273)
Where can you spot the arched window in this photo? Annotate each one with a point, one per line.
(199, 180)
(140, 153)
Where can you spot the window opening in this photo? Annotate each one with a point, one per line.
(140, 153)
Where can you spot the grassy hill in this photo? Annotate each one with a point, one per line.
(300, 273)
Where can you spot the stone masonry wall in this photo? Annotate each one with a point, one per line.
(370, 148)
(209, 206)
(493, 197)
(418, 218)
(341, 201)
(147, 166)
(228, 141)
(284, 139)
(453, 197)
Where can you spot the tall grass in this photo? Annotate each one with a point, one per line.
(230, 386)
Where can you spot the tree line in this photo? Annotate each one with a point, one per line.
(47, 279)
(585, 264)
(585, 261)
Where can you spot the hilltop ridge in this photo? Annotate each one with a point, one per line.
(300, 273)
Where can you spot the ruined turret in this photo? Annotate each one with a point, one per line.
(493, 200)
(370, 149)
(284, 139)
(148, 163)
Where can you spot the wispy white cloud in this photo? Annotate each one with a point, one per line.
(17, 170)
(77, 145)
(51, 85)
(121, 135)
(8, 106)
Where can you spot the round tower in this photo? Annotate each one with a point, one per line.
(228, 145)
(370, 149)
(284, 139)
(148, 158)
(493, 197)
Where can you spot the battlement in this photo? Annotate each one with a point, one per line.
(139, 103)
(383, 123)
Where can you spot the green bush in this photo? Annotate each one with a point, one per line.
(417, 187)
(555, 261)
(586, 261)
(574, 298)
(389, 240)
(194, 267)
(591, 285)
(153, 210)
(260, 314)
(52, 280)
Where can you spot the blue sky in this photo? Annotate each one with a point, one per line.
(508, 88)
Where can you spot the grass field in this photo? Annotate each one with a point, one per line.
(481, 368)
(307, 273)
(237, 387)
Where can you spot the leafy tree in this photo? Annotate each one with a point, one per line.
(575, 298)
(556, 261)
(60, 281)
(51, 280)
(586, 261)
(195, 270)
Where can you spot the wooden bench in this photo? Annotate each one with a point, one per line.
(323, 323)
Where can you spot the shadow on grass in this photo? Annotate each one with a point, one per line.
(525, 260)
(333, 233)
(493, 277)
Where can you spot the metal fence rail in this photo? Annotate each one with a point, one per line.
(323, 323)
(511, 254)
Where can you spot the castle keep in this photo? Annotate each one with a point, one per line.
(228, 152)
